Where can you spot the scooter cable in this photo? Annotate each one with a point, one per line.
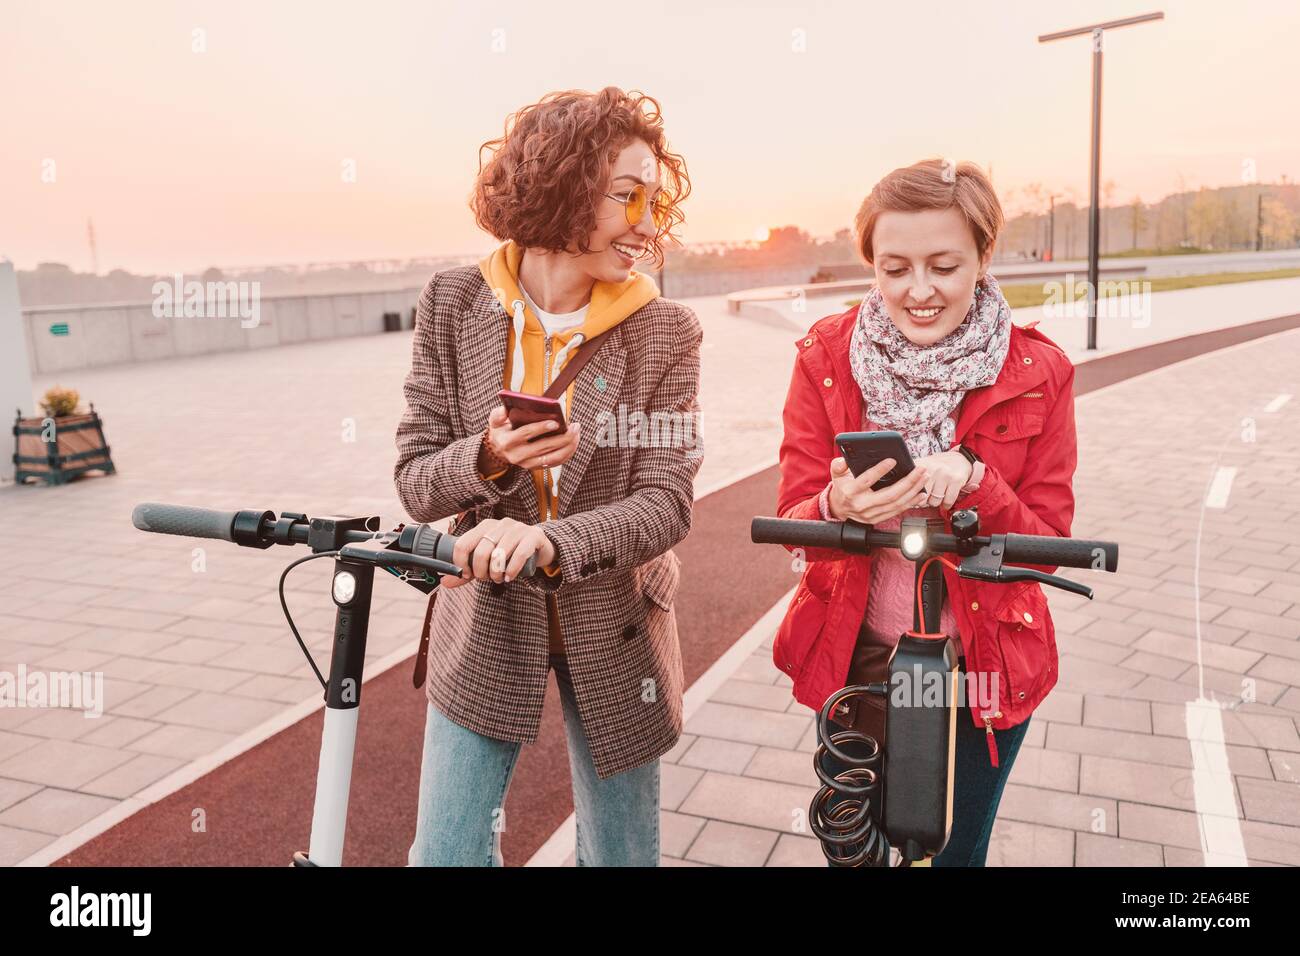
(284, 606)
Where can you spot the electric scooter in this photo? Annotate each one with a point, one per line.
(900, 795)
(415, 554)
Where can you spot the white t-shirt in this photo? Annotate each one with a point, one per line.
(553, 322)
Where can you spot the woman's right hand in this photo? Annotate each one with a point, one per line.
(853, 498)
(514, 445)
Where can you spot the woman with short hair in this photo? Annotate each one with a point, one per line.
(986, 409)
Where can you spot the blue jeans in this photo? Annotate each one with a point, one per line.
(464, 777)
(977, 789)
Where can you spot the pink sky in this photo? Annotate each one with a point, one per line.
(234, 156)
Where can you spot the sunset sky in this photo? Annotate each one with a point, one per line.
(235, 155)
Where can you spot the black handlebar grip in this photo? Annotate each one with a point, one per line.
(182, 520)
(794, 531)
(1062, 552)
(431, 543)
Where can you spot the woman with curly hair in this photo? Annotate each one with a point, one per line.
(579, 189)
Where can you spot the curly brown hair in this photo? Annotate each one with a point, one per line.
(550, 169)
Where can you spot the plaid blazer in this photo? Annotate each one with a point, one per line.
(624, 502)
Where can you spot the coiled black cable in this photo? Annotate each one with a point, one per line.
(845, 813)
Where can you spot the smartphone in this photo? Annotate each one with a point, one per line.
(524, 409)
(865, 450)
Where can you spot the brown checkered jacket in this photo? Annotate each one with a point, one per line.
(622, 508)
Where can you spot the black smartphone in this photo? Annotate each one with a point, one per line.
(864, 450)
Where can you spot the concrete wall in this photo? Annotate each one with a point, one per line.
(689, 285)
(116, 334)
(15, 377)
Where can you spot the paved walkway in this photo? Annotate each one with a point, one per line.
(1107, 775)
(195, 659)
(195, 653)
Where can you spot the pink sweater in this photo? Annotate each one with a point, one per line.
(892, 593)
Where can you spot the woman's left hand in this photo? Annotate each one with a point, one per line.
(512, 542)
(949, 471)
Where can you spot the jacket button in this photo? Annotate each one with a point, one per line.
(807, 342)
(1001, 429)
(827, 381)
(1022, 695)
(1029, 618)
(974, 605)
(629, 632)
(1028, 360)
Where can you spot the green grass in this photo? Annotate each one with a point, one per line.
(1023, 295)
(1170, 251)
(1027, 294)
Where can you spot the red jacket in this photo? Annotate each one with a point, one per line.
(1023, 427)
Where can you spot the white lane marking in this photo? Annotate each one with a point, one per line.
(559, 846)
(1216, 806)
(1220, 487)
(1276, 403)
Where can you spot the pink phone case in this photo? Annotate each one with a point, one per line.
(524, 409)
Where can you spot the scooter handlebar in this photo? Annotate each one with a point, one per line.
(796, 532)
(183, 520)
(1062, 552)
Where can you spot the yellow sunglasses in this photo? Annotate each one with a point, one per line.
(634, 204)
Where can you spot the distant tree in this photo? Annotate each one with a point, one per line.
(1279, 225)
(1139, 219)
(1208, 219)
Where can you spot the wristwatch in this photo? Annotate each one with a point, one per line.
(969, 455)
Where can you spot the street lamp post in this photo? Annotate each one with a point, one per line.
(1051, 229)
(1096, 30)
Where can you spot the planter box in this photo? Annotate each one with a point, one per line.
(79, 447)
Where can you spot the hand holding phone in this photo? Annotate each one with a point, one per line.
(524, 409)
(873, 493)
(865, 450)
(531, 446)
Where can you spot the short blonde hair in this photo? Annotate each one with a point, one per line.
(934, 184)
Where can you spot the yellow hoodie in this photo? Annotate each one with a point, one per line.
(532, 361)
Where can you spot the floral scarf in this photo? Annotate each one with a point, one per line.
(917, 389)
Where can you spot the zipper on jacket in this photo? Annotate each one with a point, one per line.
(546, 473)
(986, 717)
(988, 730)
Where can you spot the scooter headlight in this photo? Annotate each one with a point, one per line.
(913, 544)
(345, 587)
